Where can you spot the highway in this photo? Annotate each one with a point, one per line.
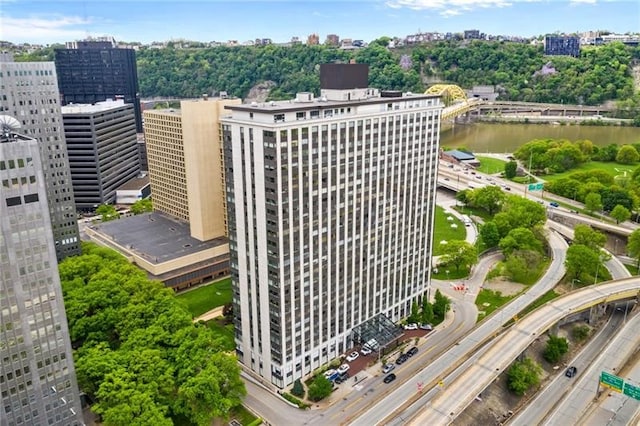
(456, 396)
(570, 408)
(551, 395)
(396, 403)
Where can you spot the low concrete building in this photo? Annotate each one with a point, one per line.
(136, 189)
(164, 248)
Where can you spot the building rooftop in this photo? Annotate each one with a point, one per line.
(324, 103)
(155, 237)
(136, 183)
(90, 109)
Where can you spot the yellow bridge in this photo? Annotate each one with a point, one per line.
(457, 103)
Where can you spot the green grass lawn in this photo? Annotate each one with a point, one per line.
(224, 330)
(491, 165)
(633, 270)
(207, 297)
(444, 231)
(488, 301)
(612, 168)
(452, 275)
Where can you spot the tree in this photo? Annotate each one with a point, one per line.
(441, 305)
(627, 154)
(518, 212)
(593, 202)
(523, 375)
(320, 388)
(510, 169)
(458, 253)
(414, 317)
(633, 246)
(489, 198)
(490, 234)
(463, 196)
(620, 213)
(141, 206)
(139, 355)
(297, 389)
(522, 265)
(587, 236)
(519, 239)
(107, 212)
(555, 349)
(581, 259)
(427, 311)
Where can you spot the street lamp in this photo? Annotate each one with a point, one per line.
(573, 281)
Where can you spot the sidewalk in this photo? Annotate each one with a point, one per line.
(209, 315)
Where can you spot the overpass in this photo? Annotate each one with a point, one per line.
(462, 391)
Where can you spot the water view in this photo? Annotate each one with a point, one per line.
(490, 137)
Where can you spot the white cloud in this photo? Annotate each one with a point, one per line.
(43, 29)
(448, 8)
(576, 2)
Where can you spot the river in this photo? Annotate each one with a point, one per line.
(494, 137)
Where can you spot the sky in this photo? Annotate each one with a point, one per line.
(52, 21)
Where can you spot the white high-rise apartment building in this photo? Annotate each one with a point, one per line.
(330, 213)
(37, 377)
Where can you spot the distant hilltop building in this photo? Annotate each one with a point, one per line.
(332, 40)
(562, 45)
(313, 39)
(473, 35)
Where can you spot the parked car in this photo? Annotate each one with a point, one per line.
(554, 204)
(365, 351)
(352, 356)
(329, 373)
(426, 327)
(387, 368)
(402, 359)
(341, 378)
(390, 378)
(412, 326)
(411, 352)
(343, 368)
(571, 371)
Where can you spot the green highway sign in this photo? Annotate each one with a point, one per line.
(536, 186)
(632, 391)
(611, 381)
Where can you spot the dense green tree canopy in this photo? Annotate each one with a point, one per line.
(599, 74)
(138, 352)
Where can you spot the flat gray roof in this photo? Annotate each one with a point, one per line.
(155, 236)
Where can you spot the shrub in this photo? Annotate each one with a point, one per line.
(292, 399)
(523, 375)
(320, 388)
(580, 332)
(298, 389)
(556, 348)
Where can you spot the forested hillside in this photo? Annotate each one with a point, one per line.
(520, 71)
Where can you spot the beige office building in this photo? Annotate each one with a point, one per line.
(185, 164)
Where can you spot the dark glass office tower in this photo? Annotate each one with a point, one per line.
(94, 71)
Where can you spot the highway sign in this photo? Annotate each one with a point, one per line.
(632, 391)
(536, 186)
(612, 381)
